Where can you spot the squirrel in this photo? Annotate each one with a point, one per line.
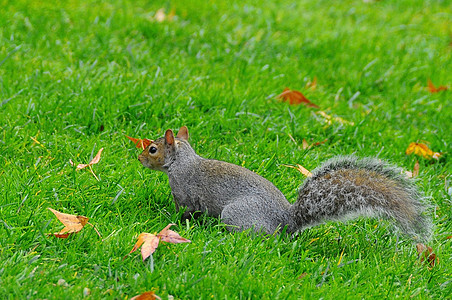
(342, 188)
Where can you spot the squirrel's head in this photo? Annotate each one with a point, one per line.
(162, 152)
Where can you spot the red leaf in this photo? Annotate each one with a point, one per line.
(295, 97)
(140, 143)
(432, 89)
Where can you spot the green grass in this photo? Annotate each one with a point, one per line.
(76, 76)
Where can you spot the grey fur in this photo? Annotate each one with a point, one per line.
(346, 187)
(342, 188)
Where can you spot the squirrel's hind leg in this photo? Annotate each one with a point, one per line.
(246, 213)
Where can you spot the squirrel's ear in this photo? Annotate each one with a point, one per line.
(169, 137)
(183, 133)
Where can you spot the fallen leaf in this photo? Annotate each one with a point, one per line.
(422, 150)
(140, 143)
(150, 241)
(73, 223)
(295, 97)
(449, 237)
(170, 236)
(320, 143)
(146, 296)
(302, 275)
(95, 160)
(161, 16)
(312, 84)
(329, 119)
(305, 144)
(436, 155)
(425, 253)
(301, 169)
(416, 169)
(432, 89)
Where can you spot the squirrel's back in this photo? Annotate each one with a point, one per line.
(361, 187)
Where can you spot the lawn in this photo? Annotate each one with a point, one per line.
(77, 76)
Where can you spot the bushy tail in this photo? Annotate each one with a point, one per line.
(346, 187)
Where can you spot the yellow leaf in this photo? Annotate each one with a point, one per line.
(423, 150)
(329, 119)
(300, 169)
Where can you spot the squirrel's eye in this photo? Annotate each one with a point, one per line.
(152, 150)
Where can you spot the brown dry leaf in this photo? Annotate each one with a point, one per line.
(73, 223)
(432, 89)
(140, 143)
(305, 145)
(449, 237)
(150, 241)
(303, 275)
(146, 296)
(300, 169)
(295, 97)
(425, 253)
(416, 169)
(422, 150)
(312, 84)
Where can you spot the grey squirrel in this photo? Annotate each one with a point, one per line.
(341, 188)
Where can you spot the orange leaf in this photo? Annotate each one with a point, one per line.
(73, 223)
(295, 97)
(146, 296)
(422, 150)
(140, 143)
(150, 241)
(95, 160)
(432, 89)
(170, 236)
